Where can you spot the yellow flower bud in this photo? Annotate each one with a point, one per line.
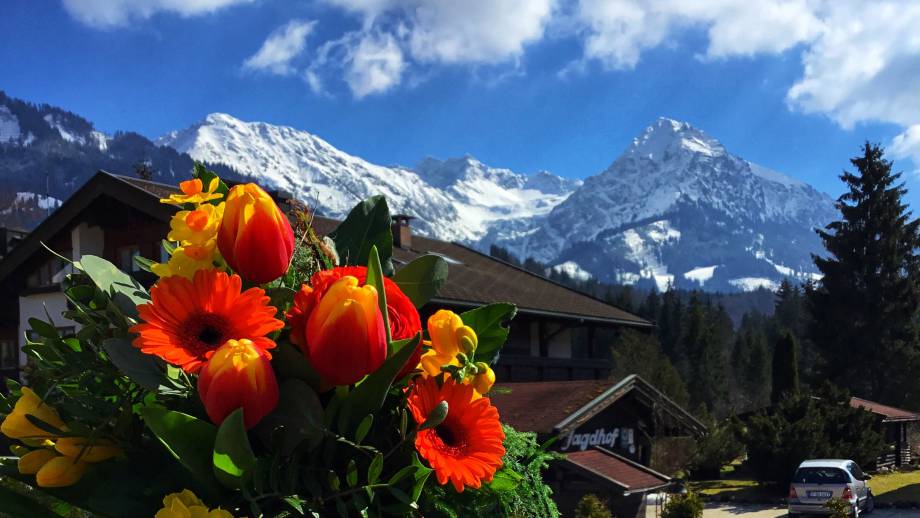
(483, 381)
(17, 425)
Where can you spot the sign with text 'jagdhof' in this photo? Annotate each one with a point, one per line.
(619, 438)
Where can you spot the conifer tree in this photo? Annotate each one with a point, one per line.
(865, 309)
(785, 369)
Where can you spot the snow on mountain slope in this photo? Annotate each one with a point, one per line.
(457, 199)
(9, 125)
(718, 209)
(676, 199)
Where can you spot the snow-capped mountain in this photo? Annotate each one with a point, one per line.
(676, 207)
(47, 152)
(457, 199)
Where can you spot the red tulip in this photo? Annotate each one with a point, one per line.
(255, 238)
(344, 337)
(401, 313)
(238, 375)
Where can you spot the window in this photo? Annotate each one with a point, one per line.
(44, 275)
(9, 354)
(856, 472)
(126, 255)
(820, 476)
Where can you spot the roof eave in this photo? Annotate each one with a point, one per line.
(547, 313)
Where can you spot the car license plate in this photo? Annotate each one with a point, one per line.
(819, 494)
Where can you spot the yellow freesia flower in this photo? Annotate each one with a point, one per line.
(193, 192)
(31, 462)
(186, 505)
(196, 227)
(449, 337)
(185, 261)
(17, 425)
(97, 451)
(60, 472)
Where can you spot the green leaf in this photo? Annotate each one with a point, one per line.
(505, 479)
(367, 225)
(143, 263)
(206, 176)
(421, 476)
(43, 328)
(299, 415)
(143, 369)
(376, 467)
(47, 427)
(421, 279)
(375, 279)
(437, 416)
(363, 428)
(186, 437)
(233, 458)
(351, 473)
(289, 362)
(489, 324)
(368, 397)
(125, 292)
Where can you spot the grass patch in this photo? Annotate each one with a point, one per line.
(736, 488)
(889, 487)
(897, 486)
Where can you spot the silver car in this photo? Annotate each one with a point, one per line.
(817, 481)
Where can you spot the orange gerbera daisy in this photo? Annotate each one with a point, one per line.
(466, 448)
(187, 320)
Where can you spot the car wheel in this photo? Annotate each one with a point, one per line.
(794, 515)
(870, 504)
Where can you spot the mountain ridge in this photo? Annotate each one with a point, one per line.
(674, 208)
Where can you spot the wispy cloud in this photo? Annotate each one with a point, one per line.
(281, 47)
(107, 14)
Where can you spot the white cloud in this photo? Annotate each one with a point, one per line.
(375, 64)
(907, 145)
(283, 45)
(105, 14)
(617, 32)
(865, 66)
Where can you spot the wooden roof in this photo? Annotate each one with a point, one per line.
(888, 413)
(606, 465)
(474, 278)
(557, 407)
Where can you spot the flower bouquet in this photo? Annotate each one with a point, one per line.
(267, 372)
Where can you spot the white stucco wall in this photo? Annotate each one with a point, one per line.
(34, 306)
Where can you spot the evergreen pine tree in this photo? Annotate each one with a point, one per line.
(785, 369)
(704, 362)
(865, 310)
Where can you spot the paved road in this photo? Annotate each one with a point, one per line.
(760, 511)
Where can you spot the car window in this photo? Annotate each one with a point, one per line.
(820, 476)
(855, 471)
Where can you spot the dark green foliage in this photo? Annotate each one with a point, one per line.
(838, 508)
(686, 505)
(531, 498)
(785, 369)
(750, 361)
(640, 353)
(719, 447)
(866, 306)
(804, 427)
(703, 355)
(590, 506)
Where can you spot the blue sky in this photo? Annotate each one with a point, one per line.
(529, 85)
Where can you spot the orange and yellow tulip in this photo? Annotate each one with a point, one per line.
(345, 335)
(255, 238)
(238, 375)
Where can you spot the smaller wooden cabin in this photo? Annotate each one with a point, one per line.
(893, 424)
(620, 437)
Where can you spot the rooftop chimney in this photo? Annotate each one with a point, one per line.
(402, 231)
